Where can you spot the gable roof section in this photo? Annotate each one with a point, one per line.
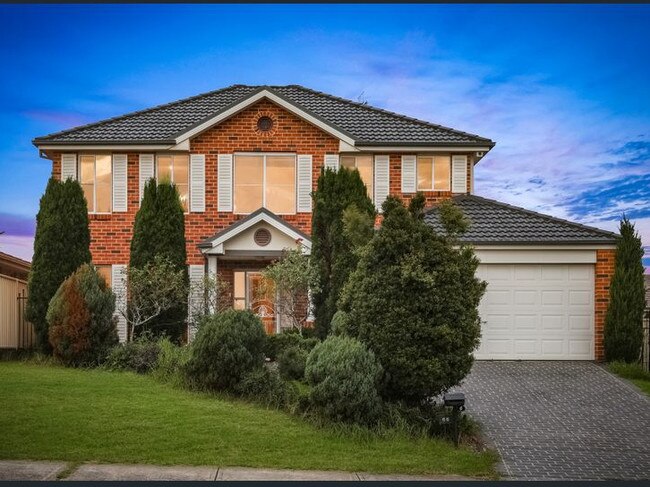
(167, 124)
(260, 215)
(496, 223)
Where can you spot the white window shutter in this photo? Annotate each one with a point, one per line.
(224, 182)
(409, 174)
(304, 183)
(146, 171)
(382, 179)
(68, 166)
(459, 174)
(196, 298)
(332, 162)
(118, 285)
(119, 182)
(197, 177)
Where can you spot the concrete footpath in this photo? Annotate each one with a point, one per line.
(33, 470)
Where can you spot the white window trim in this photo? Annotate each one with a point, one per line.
(433, 172)
(372, 169)
(189, 175)
(264, 155)
(79, 157)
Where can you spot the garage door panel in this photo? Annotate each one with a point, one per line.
(525, 297)
(526, 322)
(580, 297)
(548, 317)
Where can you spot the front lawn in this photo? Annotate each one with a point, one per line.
(54, 413)
(634, 373)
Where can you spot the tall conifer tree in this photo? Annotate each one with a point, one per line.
(61, 245)
(332, 251)
(159, 230)
(624, 320)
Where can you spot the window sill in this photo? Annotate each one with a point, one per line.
(99, 216)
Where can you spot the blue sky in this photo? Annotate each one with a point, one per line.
(562, 89)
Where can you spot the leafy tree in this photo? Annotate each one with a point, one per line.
(413, 300)
(332, 251)
(82, 329)
(159, 232)
(61, 245)
(624, 320)
(155, 289)
(290, 279)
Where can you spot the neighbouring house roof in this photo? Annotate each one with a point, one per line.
(364, 124)
(260, 215)
(496, 223)
(13, 266)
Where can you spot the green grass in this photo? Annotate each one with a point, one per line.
(54, 413)
(634, 373)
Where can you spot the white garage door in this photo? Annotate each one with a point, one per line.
(537, 312)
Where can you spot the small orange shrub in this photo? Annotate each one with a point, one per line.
(80, 319)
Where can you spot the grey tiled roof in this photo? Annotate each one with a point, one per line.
(493, 222)
(363, 123)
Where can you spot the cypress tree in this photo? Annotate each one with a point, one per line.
(624, 320)
(159, 231)
(413, 300)
(332, 250)
(61, 245)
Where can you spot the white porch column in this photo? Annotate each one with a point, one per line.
(212, 273)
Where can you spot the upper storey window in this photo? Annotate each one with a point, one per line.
(364, 165)
(175, 169)
(434, 173)
(95, 176)
(265, 180)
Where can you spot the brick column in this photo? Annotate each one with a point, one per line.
(604, 273)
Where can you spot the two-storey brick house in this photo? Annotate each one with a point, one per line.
(245, 160)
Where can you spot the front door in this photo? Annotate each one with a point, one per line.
(250, 293)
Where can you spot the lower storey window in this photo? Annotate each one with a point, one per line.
(434, 173)
(175, 169)
(95, 176)
(267, 181)
(363, 164)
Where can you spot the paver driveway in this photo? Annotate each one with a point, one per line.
(561, 420)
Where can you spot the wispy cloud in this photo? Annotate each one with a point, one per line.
(17, 225)
(18, 246)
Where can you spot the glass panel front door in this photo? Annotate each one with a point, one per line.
(250, 292)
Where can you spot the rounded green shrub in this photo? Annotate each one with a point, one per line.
(291, 363)
(140, 355)
(266, 387)
(228, 346)
(344, 376)
(80, 318)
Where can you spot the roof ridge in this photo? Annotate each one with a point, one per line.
(535, 213)
(137, 112)
(389, 112)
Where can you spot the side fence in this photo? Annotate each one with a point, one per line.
(645, 356)
(15, 331)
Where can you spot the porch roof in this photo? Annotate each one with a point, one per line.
(215, 244)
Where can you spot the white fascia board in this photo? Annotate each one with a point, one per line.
(115, 148)
(509, 256)
(217, 245)
(544, 247)
(255, 98)
(385, 149)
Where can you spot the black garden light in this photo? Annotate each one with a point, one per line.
(456, 401)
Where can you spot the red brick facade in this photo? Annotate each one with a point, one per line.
(603, 276)
(111, 234)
